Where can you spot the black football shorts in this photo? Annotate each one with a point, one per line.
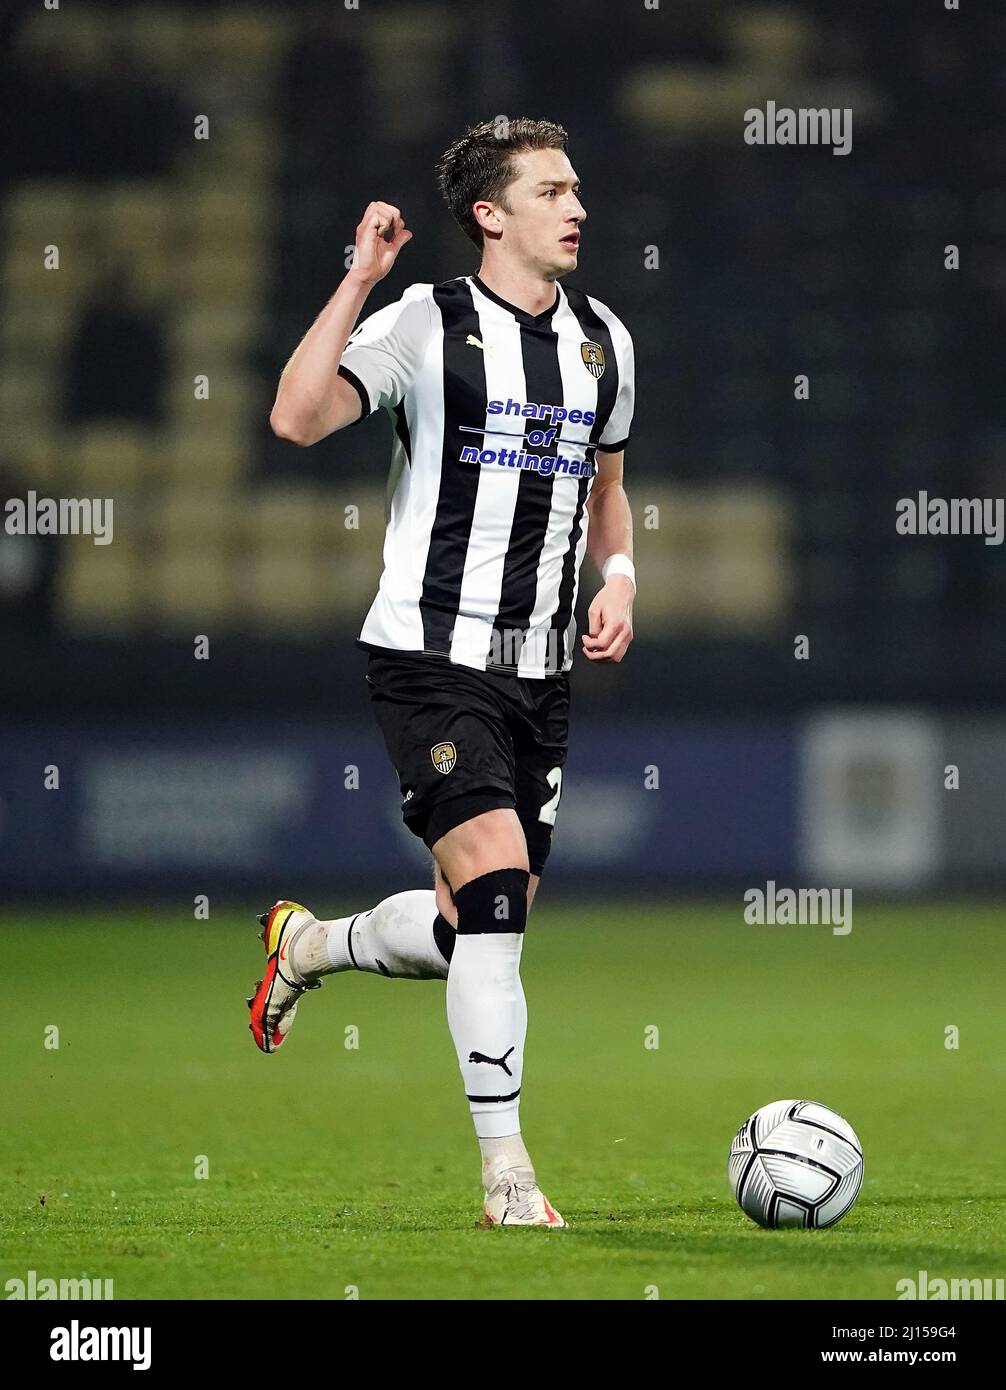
(464, 741)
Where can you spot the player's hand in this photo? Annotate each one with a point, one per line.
(379, 238)
(610, 619)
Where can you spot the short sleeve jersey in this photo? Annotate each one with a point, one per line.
(498, 415)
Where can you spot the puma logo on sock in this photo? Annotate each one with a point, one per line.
(493, 1061)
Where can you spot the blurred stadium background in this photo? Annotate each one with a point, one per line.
(759, 517)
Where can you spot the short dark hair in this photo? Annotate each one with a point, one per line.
(480, 166)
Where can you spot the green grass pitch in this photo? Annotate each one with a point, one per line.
(333, 1169)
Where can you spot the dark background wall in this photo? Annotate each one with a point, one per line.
(760, 517)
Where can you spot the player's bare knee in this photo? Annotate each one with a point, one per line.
(488, 842)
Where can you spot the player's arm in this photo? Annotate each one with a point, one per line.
(313, 400)
(609, 534)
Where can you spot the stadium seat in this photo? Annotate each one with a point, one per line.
(218, 210)
(47, 458)
(210, 459)
(249, 147)
(81, 31)
(195, 330)
(190, 588)
(243, 41)
(115, 455)
(222, 277)
(232, 406)
(203, 520)
(720, 557)
(23, 397)
(281, 589)
(40, 211)
(33, 327)
(286, 516)
(102, 587)
(746, 589)
(165, 38)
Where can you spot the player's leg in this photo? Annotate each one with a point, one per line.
(419, 711)
(409, 936)
(540, 742)
(403, 938)
(444, 898)
(484, 859)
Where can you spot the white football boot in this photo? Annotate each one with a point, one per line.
(515, 1199)
(274, 1004)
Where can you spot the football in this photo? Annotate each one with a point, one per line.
(795, 1163)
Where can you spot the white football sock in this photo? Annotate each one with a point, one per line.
(486, 1009)
(397, 938)
(487, 1016)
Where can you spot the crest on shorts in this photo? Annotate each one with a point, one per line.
(593, 358)
(444, 756)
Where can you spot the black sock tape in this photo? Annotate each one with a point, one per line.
(494, 902)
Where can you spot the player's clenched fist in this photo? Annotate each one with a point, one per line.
(379, 238)
(610, 619)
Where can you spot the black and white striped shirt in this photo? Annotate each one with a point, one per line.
(497, 417)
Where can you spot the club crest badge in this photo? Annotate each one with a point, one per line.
(593, 358)
(444, 756)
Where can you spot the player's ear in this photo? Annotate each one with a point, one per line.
(487, 217)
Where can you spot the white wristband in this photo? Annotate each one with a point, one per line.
(618, 564)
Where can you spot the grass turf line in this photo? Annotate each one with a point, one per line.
(335, 1169)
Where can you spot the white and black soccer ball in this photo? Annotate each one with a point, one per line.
(795, 1163)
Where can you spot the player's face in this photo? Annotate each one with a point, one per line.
(543, 228)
